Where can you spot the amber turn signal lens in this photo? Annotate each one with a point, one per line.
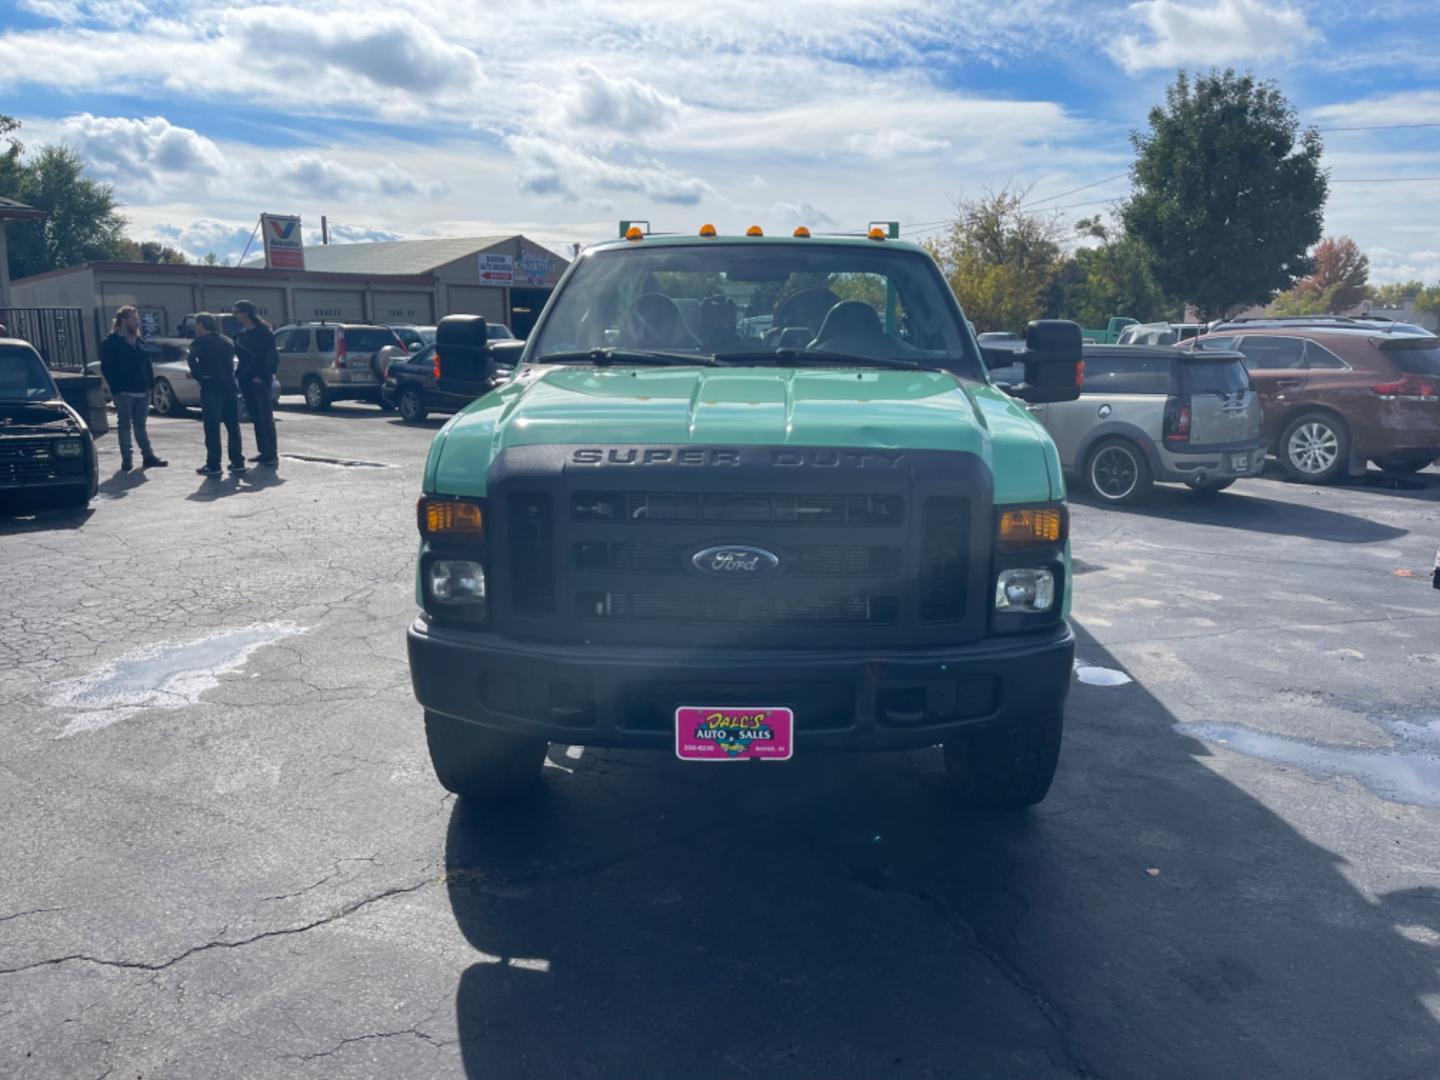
(452, 518)
(1032, 528)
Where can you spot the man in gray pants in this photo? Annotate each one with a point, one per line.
(127, 370)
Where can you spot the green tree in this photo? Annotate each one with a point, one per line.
(999, 259)
(1229, 193)
(1113, 278)
(1394, 294)
(83, 220)
(211, 259)
(10, 155)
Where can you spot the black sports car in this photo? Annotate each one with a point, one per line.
(45, 447)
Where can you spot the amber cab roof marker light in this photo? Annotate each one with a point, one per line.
(876, 233)
(802, 232)
(634, 233)
(707, 230)
(754, 230)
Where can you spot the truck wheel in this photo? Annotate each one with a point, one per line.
(1315, 448)
(317, 398)
(1118, 473)
(481, 764)
(412, 409)
(1006, 769)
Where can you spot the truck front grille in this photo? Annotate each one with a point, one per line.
(806, 509)
(26, 460)
(668, 607)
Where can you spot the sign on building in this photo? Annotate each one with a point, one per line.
(496, 269)
(284, 242)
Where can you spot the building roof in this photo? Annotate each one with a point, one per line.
(394, 256)
(250, 273)
(14, 211)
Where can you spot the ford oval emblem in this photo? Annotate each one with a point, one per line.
(735, 562)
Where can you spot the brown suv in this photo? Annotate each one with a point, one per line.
(1339, 392)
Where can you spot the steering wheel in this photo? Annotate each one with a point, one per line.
(805, 307)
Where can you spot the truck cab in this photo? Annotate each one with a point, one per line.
(750, 498)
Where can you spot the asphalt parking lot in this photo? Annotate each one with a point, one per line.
(225, 855)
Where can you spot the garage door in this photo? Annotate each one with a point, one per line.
(219, 299)
(405, 307)
(334, 304)
(477, 300)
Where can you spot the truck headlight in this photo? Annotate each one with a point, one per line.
(1025, 590)
(69, 448)
(457, 582)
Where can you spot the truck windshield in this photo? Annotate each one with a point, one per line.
(23, 376)
(777, 303)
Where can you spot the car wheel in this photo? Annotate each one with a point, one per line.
(1118, 473)
(1210, 487)
(1403, 465)
(162, 397)
(412, 409)
(1003, 769)
(317, 398)
(477, 763)
(1315, 448)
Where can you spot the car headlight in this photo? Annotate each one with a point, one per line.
(69, 448)
(456, 582)
(1025, 590)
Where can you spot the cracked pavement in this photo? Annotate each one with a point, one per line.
(262, 878)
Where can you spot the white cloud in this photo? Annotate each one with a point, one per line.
(1403, 107)
(314, 175)
(109, 12)
(594, 99)
(386, 47)
(1228, 31)
(547, 167)
(226, 239)
(149, 153)
(891, 143)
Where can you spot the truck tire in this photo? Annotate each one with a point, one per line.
(1003, 769)
(317, 397)
(477, 763)
(1117, 472)
(1315, 448)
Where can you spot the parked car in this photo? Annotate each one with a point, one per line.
(1338, 393)
(45, 445)
(1160, 333)
(414, 338)
(1111, 332)
(176, 391)
(1146, 414)
(412, 388)
(329, 362)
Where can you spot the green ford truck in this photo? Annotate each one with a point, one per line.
(744, 498)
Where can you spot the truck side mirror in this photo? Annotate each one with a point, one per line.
(1054, 362)
(462, 342)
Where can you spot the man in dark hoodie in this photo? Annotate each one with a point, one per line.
(212, 362)
(127, 370)
(258, 361)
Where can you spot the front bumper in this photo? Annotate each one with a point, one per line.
(843, 700)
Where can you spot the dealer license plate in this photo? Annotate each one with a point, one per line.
(1239, 462)
(716, 733)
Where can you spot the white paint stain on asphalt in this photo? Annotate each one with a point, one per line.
(168, 675)
(1100, 676)
(1406, 772)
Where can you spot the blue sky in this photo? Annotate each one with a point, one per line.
(557, 117)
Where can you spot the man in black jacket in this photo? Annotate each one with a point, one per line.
(127, 370)
(258, 364)
(212, 362)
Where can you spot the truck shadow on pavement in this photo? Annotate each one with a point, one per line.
(835, 917)
(1245, 509)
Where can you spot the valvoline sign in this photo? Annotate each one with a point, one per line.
(284, 242)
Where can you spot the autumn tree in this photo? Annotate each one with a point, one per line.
(1228, 191)
(1338, 283)
(999, 259)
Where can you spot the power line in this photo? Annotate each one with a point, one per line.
(1072, 191)
(1386, 180)
(1378, 127)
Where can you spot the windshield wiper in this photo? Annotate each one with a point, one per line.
(609, 356)
(822, 356)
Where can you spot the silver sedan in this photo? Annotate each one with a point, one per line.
(176, 391)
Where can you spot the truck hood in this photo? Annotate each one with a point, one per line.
(921, 410)
(37, 418)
